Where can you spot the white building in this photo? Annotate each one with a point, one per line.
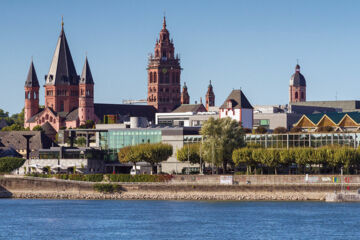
(238, 107)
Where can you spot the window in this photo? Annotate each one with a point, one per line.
(61, 106)
(167, 77)
(154, 77)
(296, 95)
(151, 78)
(302, 95)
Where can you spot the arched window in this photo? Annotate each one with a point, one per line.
(164, 54)
(151, 77)
(166, 77)
(296, 95)
(173, 78)
(61, 106)
(154, 77)
(302, 95)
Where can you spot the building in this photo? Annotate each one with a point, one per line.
(237, 107)
(164, 74)
(69, 98)
(325, 106)
(297, 88)
(185, 98)
(339, 122)
(210, 97)
(17, 141)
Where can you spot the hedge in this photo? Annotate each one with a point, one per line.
(138, 178)
(106, 188)
(9, 164)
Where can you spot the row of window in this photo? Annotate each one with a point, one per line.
(31, 95)
(63, 92)
(164, 77)
(153, 89)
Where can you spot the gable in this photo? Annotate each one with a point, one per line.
(347, 122)
(304, 122)
(326, 121)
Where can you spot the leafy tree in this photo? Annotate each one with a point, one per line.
(261, 130)
(130, 154)
(280, 130)
(243, 156)
(9, 164)
(37, 128)
(80, 141)
(189, 152)
(221, 137)
(88, 124)
(14, 127)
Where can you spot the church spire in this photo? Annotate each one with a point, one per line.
(86, 76)
(62, 69)
(164, 22)
(32, 80)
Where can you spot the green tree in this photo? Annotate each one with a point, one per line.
(80, 141)
(221, 137)
(37, 128)
(189, 152)
(243, 156)
(130, 154)
(14, 127)
(89, 124)
(9, 164)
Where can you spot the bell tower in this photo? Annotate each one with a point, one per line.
(164, 74)
(297, 89)
(31, 95)
(210, 97)
(185, 98)
(86, 95)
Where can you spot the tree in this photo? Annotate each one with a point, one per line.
(88, 124)
(129, 154)
(37, 128)
(80, 141)
(243, 156)
(280, 130)
(221, 137)
(296, 129)
(151, 153)
(261, 130)
(189, 152)
(9, 164)
(14, 127)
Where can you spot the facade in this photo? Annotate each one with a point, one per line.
(273, 120)
(164, 74)
(315, 140)
(297, 88)
(237, 107)
(339, 122)
(185, 98)
(210, 97)
(69, 98)
(325, 106)
(184, 119)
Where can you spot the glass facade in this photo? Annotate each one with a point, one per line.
(113, 140)
(304, 140)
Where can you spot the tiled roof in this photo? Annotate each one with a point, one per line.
(190, 108)
(16, 140)
(32, 80)
(238, 99)
(9, 152)
(86, 76)
(62, 69)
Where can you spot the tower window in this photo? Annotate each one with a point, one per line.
(167, 77)
(296, 95)
(151, 78)
(302, 95)
(154, 77)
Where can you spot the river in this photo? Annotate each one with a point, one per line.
(90, 219)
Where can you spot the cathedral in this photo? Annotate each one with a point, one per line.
(69, 98)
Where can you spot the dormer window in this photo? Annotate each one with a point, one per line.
(229, 104)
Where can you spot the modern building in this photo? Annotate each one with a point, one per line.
(339, 122)
(237, 107)
(164, 74)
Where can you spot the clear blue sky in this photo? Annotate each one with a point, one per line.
(249, 44)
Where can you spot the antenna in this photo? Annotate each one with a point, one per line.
(297, 61)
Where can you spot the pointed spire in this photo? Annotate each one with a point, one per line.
(164, 22)
(210, 86)
(62, 23)
(86, 76)
(185, 85)
(297, 68)
(32, 80)
(62, 69)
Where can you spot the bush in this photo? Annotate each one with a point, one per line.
(106, 188)
(81, 177)
(9, 164)
(260, 130)
(41, 175)
(138, 178)
(280, 130)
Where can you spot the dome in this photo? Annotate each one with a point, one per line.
(297, 79)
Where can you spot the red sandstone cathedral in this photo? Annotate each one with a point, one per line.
(69, 98)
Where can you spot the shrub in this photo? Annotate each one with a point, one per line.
(280, 130)
(41, 175)
(260, 130)
(9, 164)
(138, 178)
(106, 188)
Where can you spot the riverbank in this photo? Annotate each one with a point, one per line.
(29, 187)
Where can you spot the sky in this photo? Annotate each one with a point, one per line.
(253, 45)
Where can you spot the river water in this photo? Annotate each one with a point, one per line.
(90, 219)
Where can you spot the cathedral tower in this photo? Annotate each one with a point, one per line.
(210, 97)
(31, 95)
(185, 98)
(297, 90)
(86, 95)
(164, 74)
(62, 82)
